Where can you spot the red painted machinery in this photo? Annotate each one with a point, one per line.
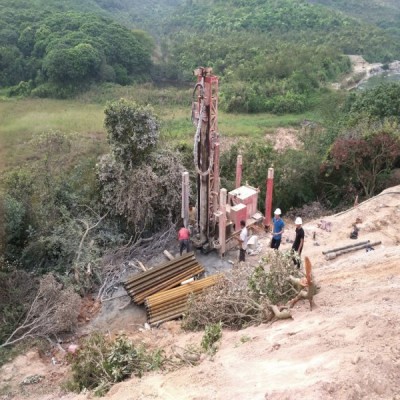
(218, 214)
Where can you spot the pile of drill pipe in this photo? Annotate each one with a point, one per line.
(346, 247)
(165, 276)
(330, 255)
(171, 304)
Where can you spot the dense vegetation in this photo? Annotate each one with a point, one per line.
(146, 15)
(273, 56)
(52, 53)
(352, 152)
(384, 14)
(64, 212)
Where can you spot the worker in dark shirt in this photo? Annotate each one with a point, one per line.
(298, 241)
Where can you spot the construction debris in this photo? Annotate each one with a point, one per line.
(166, 276)
(171, 304)
(325, 225)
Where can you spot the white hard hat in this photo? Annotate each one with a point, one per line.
(298, 221)
(278, 211)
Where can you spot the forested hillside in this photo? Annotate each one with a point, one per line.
(52, 50)
(273, 56)
(383, 13)
(146, 15)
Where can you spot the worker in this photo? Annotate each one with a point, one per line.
(192, 215)
(184, 239)
(243, 237)
(278, 226)
(298, 241)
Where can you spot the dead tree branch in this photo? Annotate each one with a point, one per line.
(53, 310)
(118, 264)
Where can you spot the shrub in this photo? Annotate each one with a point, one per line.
(273, 282)
(56, 91)
(22, 89)
(244, 295)
(363, 157)
(288, 103)
(101, 362)
(212, 333)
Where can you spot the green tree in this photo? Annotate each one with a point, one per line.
(74, 65)
(375, 104)
(133, 131)
(365, 156)
(11, 66)
(140, 184)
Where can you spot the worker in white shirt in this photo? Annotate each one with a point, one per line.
(243, 237)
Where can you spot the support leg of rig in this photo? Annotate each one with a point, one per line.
(222, 221)
(239, 163)
(268, 197)
(185, 198)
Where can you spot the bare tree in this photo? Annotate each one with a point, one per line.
(53, 310)
(117, 264)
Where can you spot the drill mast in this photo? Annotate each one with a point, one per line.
(206, 152)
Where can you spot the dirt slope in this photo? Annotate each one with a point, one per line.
(348, 347)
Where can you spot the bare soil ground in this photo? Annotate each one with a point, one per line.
(361, 70)
(284, 138)
(346, 348)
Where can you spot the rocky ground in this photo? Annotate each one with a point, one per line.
(347, 347)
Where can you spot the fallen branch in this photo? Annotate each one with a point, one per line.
(53, 310)
(118, 264)
(168, 255)
(280, 314)
(88, 228)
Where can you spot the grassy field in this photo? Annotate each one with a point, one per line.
(22, 119)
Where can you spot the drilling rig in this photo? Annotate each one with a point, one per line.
(218, 213)
(206, 154)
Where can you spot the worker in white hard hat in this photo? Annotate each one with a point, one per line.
(298, 243)
(277, 230)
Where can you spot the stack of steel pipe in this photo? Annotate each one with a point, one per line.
(163, 277)
(171, 304)
(331, 254)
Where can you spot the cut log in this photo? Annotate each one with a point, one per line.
(284, 314)
(168, 255)
(141, 265)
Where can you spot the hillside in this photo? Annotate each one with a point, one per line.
(336, 351)
(382, 13)
(52, 49)
(145, 15)
(284, 53)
